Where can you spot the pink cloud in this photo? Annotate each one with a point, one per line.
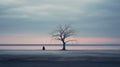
(37, 39)
(30, 40)
(97, 40)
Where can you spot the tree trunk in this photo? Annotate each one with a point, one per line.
(64, 45)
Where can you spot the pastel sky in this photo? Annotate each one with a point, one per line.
(31, 21)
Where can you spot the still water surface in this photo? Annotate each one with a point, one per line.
(60, 47)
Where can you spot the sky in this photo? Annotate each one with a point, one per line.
(31, 21)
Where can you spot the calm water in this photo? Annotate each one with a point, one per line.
(54, 47)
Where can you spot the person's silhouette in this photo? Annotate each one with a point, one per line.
(43, 48)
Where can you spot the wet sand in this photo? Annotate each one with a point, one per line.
(59, 58)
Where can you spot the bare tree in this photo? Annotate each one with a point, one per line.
(63, 32)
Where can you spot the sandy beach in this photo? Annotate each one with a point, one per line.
(58, 58)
